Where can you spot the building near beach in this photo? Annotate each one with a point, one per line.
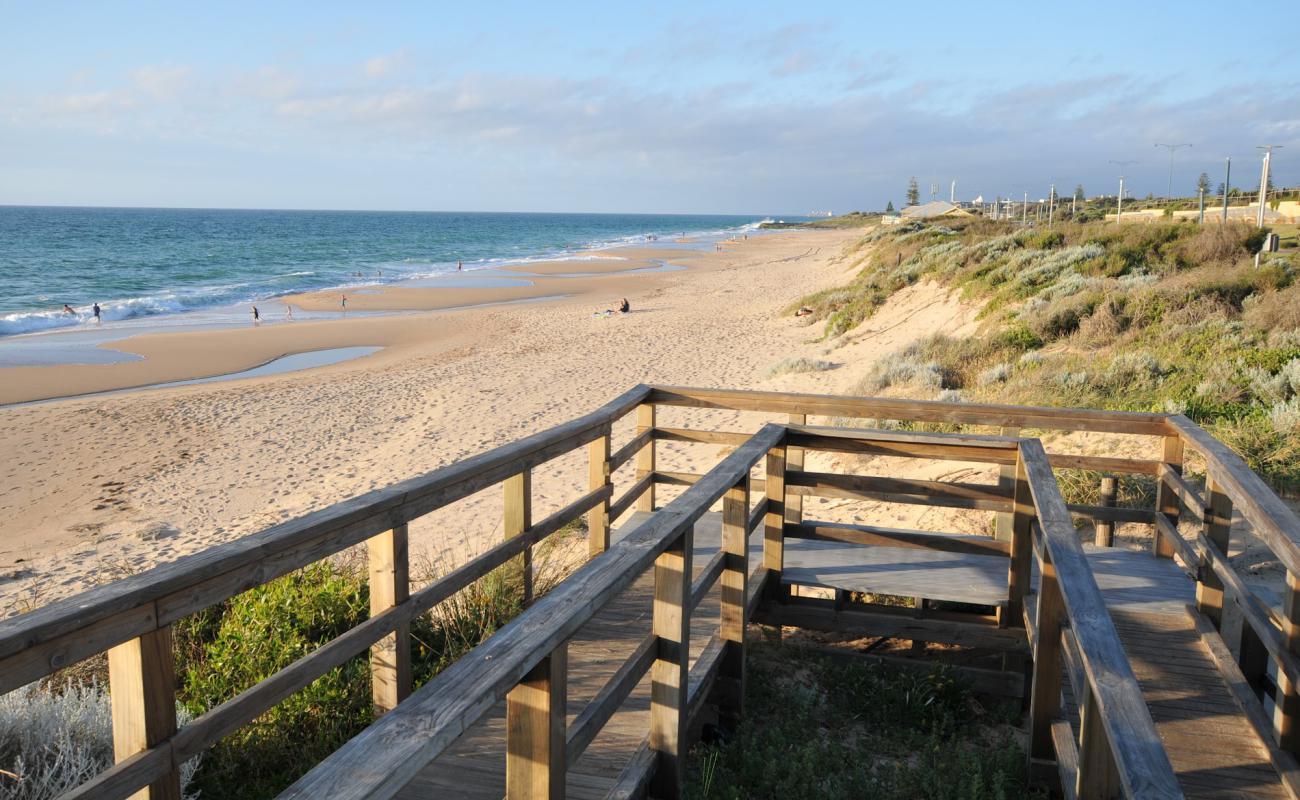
(933, 210)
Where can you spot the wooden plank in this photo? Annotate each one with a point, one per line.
(1123, 466)
(1019, 570)
(1097, 779)
(634, 781)
(535, 732)
(123, 778)
(794, 462)
(708, 576)
(1104, 529)
(192, 582)
(1270, 518)
(1045, 686)
(1088, 512)
(45, 657)
(918, 410)
(142, 684)
(1005, 488)
(1176, 486)
(734, 595)
(670, 673)
(1067, 756)
(1170, 471)
(822, 616)
(1217, 532)
(1244, 695)
(601, 708)
(600, 468)
(627, 451)
(1179, 545)
(645, 457)
(757, 513)
(899, 490)
(950, 446)
(1141, 761)
(390, 585)
(1288, 691)
(634, 493)
(518, 517)
(898, 537)
(774, 520)
(694, 436)
(385, 756)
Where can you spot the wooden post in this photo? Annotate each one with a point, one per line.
(1006, 482)
(1097, 778)
(390, 585)
(670, 674)
(774, 522)
(645, 458)
(1218, 530)
(142, 685)
(519, 518)
(1022, 549)
(1104, 532)
(734, 591)
(794, 460)
(598, 474)
(1287, 719)
(1166, 498)
(535, 731)
(1045, 690)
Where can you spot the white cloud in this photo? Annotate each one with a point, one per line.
(161, 83)
(384, 65)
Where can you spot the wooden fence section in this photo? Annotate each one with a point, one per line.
(132, 618)
(1116, 747)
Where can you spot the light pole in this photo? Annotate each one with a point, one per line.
(1169, 192)
(1263, 180)
(1227, 180)
(1119, 207)
(1051, 204)
(1024, 210)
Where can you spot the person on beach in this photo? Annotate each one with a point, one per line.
(460, 265)
(67, 309)
(624, 306)
(344, 302)
(96, 312)
(288, 311)
(257, 317)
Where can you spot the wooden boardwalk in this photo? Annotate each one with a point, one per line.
(1214, 749)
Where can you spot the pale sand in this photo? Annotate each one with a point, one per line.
(92, 490)
(96, 488)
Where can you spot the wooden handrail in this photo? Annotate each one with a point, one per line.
(382, 759)
(918, 410)
(1143, 766)
(33, 645)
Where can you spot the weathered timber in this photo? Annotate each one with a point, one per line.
(899, 490)
(645, 457)
(897, 537)
(535, 731)
(390, 585)
(142, 683)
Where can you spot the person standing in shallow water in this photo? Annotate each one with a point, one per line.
(96, 312)
(257, 317)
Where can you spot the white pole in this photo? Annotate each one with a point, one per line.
(1024, 210)
(952, 193)
(1263, 188)
(1119, 209)
(1051, 204)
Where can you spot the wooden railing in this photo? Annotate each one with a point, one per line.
(131, 619)
(524, 663)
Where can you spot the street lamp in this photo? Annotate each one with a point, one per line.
(1119, 208)
(1169, 192)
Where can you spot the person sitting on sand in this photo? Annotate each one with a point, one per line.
(67, 309)
(624, 306)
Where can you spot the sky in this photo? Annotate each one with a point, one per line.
(751, 108)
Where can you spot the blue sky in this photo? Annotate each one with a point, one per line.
(675, 107)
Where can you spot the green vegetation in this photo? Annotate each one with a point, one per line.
(801, 364)
(821, 726)
(853, 219)
(228, 648)
(1155, 317)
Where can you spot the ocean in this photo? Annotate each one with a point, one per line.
(139, 263)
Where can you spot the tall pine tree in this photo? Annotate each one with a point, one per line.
(913, 192)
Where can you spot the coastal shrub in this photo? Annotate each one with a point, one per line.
(230, 647)
(800, 364)
(810, 717)
(998, 373)
(1285, 417)
(1273, 311)
(54, 739)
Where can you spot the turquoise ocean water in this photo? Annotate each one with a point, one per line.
(142, 263)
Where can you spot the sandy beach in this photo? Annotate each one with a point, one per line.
(97, 488)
